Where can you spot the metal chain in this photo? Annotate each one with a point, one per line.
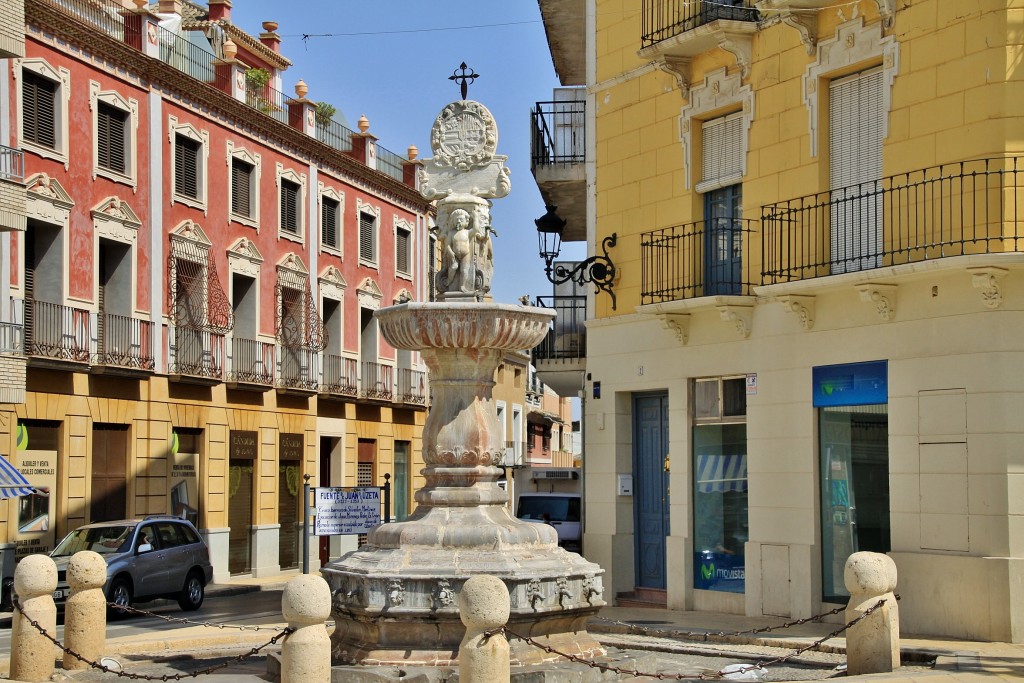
(705, 635)
(679, 677)
(143, 677)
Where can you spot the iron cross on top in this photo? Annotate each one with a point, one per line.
(462, 77)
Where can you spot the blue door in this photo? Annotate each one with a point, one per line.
(650, 499)
(723, 241)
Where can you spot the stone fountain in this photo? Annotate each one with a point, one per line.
(394, 599)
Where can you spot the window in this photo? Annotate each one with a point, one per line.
(330, 222)
(367, 237)
(241, 188)
(245, 185)
(39, 110)
(111, 132)
(290, 207)
(186, 167)
(115, 120)
(720, 519)
(403, 250)
(722, 170)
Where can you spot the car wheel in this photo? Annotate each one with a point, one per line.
(192, 594)
(120, 594)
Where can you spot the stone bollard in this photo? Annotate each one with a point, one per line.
(484, 605)
(306, 653)
(872, 644)
(85, 615)
(32, 654)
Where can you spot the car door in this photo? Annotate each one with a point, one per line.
(149, 568)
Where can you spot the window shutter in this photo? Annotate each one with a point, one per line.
(39, 100)
(856, 121)
(186, 167)
(289, 207)
(367, 239)
(241, 191)
(329, 222)
(402, 251)
(110, 138)
(722, 160)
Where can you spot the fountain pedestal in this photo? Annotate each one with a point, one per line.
(394, 600)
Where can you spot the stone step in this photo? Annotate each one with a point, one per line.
(642, 597)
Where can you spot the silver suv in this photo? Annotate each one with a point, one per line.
(157, 557)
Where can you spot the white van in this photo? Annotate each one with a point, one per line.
(560, 510)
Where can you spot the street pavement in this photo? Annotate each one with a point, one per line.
(184, 650)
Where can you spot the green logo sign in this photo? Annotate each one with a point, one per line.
(707, 571)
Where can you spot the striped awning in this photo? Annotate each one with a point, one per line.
(721, 473)
(12, 482)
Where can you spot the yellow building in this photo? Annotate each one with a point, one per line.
(814, 342)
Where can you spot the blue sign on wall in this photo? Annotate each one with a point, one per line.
(852, 384)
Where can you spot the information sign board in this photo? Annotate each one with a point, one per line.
(343, 511)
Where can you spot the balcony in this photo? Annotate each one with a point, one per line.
(557, 156)
(12, 190)
(195, 356)
(57, 336)
(674, 31)
(252, 365)
(378, 383)
(967, 208)
(561, 358)
(300, 371)
(700, 259)
(412, 387)
(340, 377)
(124, 346)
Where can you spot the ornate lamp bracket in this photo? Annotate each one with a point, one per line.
(598, 270)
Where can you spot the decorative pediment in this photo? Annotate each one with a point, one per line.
(42, 186)
(189, 231)
(244, 248)
(403, 297)
(720, 90)
(114, 219)
(291, 270)
(332, 283)
(369, 294)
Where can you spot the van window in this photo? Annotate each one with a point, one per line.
(556, 508)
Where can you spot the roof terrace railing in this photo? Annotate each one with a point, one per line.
(106, 15)
(185, 56)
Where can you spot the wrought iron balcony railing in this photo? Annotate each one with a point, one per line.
(558, 133)
(567, 337)
(663, 19)
(12, 164)
(341, 376)
(12, 338)
(378, 381)
(412, 386)
(57, 332)
(968, 207)
(196, 353)
(252, 362)
(300, 369)
(124, 342)
(104, 15)
(704, 258)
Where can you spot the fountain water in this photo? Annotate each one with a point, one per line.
(394, 599)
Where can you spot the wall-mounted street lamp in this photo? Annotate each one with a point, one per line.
(597, 269)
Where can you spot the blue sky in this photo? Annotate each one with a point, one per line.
(390, 60)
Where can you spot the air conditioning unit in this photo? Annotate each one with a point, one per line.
(563, 475)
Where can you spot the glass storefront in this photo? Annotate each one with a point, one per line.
(720, 520)
(853, 429)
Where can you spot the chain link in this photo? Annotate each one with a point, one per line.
(703, 675)
(164, 677)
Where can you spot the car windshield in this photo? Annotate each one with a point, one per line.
(104, 539)
(553, 509)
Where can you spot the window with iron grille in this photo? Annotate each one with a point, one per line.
(241, 188)
(186, 166)
(367, 237)
(111, 138)
(403, 248)
(39, 109)
(330, 213)
(290, 216)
